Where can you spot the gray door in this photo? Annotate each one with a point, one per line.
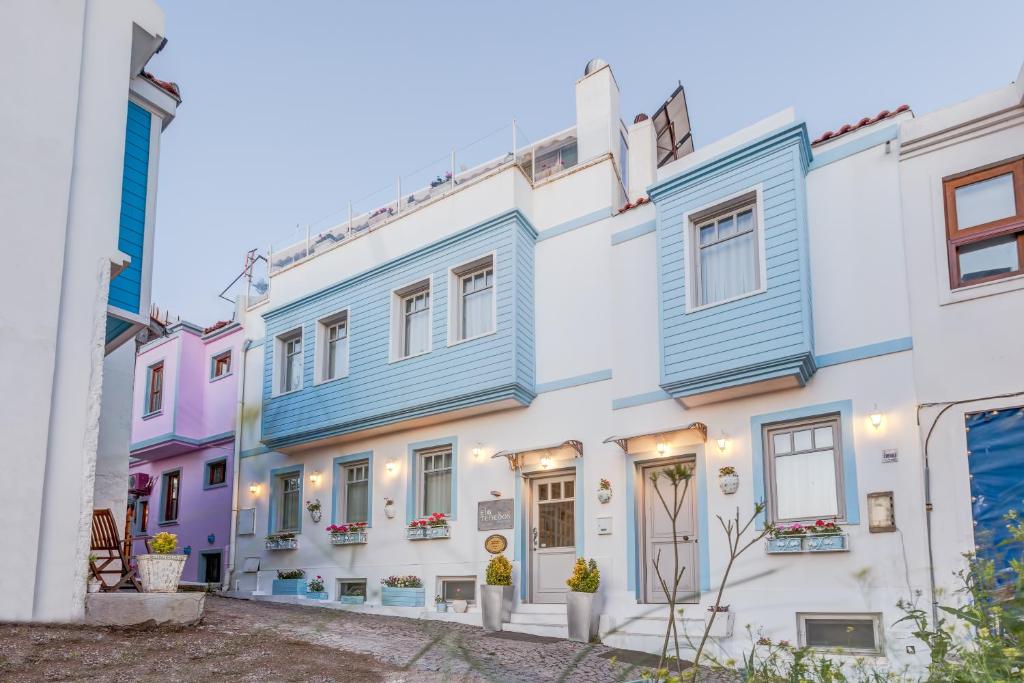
(553, 536)
(657, 538)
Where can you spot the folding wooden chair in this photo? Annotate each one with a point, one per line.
(111, 560)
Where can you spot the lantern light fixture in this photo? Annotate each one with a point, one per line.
(875, 417)
(723, 441)
(391, 466)
(254, 488)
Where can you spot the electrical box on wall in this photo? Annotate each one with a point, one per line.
(604, 525)
(881, 512)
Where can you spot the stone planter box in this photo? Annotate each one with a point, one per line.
(811, 543)
(282, 544)
(350, 538)
(288, 587)
(428, 533)
(317, 595)
(402, 597)
(351, 599)
(160, 573)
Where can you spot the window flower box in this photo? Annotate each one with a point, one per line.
(349, 538)
(318, 595)
(434, 526)
(821, 537)
(403, 597)
(281, 542)
(288, 587)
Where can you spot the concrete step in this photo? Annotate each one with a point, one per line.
(535, 607)
(644, 643)
(651, 625)
(547, 630)
(541, 618)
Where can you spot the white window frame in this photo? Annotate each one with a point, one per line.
(343, 489)
(691, 244)
(321, 362)
(421, 479)
(338, 584)
(441, 580)
(280, 361)
(874, 617)
(227, 353)
(456, 275)
(397, 336)
(836, 421)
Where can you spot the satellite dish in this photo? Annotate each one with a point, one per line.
(593, 65)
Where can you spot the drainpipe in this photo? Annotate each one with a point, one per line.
(236, 474)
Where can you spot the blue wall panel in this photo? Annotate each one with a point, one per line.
(379, 392)
(761, 336)
(126, 287)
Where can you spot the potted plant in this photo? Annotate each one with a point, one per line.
(786, 539)
(93, 584)
(315, 510)
(315, 589)
(580, 608)
(289, 582)
(434, 526)
(441, 605)
(347, 534)
(160, 572)
(283, 540)
(389, 508)
(496, 595)
(604, 491)
(728, 480)
(402, 591)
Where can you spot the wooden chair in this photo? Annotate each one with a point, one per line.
(111, 560)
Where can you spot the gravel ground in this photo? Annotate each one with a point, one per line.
(243, 640)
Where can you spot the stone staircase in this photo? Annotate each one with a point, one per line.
(539, 620)
(643, 629)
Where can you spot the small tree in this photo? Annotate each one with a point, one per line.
(499, 571)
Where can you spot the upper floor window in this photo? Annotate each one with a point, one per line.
(985, 223)
(170, 492)
(289, 353)
(142, 516)
(333, 344)
(220, 365)
(473, 297)
(435, 480)
(155, 392)
(411, 320)
(804, 470)
(725, 246)
(216, 473)
(288, 502)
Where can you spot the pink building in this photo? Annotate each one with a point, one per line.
(183, 430)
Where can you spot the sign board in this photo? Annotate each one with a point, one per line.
(495, 514)
(890, 455)
(495, 543)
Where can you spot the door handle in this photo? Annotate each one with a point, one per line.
(686, 538)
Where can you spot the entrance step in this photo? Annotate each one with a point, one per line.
(542, 608)
(539, 620)
(547, 630)
(552, 618)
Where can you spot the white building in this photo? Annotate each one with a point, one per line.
(80, 129)
(540, 325)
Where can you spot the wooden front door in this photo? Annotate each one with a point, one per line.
(657, 542)
(553, 536)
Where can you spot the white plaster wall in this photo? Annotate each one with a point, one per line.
(111, 487)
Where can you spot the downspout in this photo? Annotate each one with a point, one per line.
(237, 467)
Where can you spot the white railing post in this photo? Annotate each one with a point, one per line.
(270, 259)
(350, 216)
(514, 155)
(307, 239)
(399, 194)
(453, 167)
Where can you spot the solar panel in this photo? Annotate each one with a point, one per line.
(672, 128)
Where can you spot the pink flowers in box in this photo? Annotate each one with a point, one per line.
(345, 528)
(437, 519)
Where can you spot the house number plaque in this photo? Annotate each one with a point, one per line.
(495, 543)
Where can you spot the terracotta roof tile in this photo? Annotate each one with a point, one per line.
(167, 86)
(866, 121)
(632, 205)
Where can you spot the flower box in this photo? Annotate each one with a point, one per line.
(402, 597)
(809, 543)
(288, 587)
(282, 543)
(317, 595)
(349, 538)
(428, 532)
(351, 599)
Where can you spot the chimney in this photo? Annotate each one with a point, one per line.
(597, 111)
(643, 157)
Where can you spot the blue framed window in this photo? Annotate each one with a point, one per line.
(215, 473)
(140, 521)
(170, 496)
(352, 493)
(285, 499)
(433, 476)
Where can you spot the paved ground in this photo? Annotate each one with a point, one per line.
(241, 640)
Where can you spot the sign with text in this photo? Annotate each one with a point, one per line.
(495, 543)
(495, 514)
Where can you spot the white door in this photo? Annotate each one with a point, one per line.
(553, 536)
(657, 538)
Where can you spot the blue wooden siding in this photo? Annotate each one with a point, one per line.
(759, 337)
(115, 328)
(377, 392)
(126, 287)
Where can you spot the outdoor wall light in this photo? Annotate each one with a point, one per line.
(662, 448)
(477, 451)
(315, 478)
(875, 417)
(723, 441)
(391, 466)
(254, 488)
(546, 462)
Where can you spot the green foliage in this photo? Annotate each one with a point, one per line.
(586, 577)
(409, 581)
(499, 571)
(164, 543)
(290, 573)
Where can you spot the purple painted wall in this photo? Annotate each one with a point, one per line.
(194, 427)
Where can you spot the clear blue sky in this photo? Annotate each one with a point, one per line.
(293, 108)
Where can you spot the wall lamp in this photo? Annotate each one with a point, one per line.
(723, 442)
(315, 478)
(876, 417)
(391, 467)
(254, 488)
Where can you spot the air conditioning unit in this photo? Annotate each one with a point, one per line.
(139, 484)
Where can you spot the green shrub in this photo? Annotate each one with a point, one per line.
(586, 577)
(290, 573)
(164, 543)
(499, 571)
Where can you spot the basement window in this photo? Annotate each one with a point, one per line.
(846, 633)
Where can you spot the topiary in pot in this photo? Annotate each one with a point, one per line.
(161, 570)
(580, 607)
(496, 595)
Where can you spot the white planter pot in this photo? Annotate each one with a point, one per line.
(94, 586)
(604, 495)
(160, 573)
(582, 615)
(459, 606)
(496, 605)
(722, 626)
(729, 483)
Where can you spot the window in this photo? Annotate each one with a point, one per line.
(458, 588)
(851, 633)
(805, 470)
(353, 588)
(209, 567)
(170, 495)
(333, 343)
(436, 481)
(725, 247)
(288, 501)
(142, 516)
(155, 394)
(473, 295)
(411, 320)
(985, 224)
(355, 492)
(290, 366)
(216, 474)
(220, 365)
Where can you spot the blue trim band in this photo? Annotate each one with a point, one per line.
(171, 436)
(337, 483)
(634, 232)
(574, 224)
(578, 380)
(866, 351)
(856, 146)
(640, 399)
(250, 452)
